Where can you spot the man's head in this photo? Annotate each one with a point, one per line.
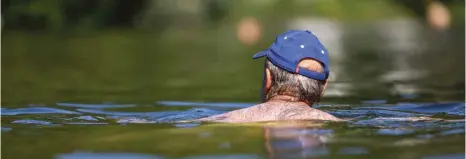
(304, 89)
(297, 65)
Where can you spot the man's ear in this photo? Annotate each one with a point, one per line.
(268, 81)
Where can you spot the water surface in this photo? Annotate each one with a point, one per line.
(78, 130)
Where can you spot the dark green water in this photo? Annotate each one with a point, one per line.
(116, 94)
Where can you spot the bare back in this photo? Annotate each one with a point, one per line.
(273, 111)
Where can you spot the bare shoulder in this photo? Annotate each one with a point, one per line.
(272, 112)
(245, 114)
(305, 112)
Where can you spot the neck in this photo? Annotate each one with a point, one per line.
(287, 98)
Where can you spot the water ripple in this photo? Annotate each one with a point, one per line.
(353, 151)
(446, 156)
(5, 129)
(449, 108)
(34, 122)
(36, 110)
(96, 155)
(231, 156)
(117, 113)
(96, 106)
(395, 131)
(453, 131)
(216, 105)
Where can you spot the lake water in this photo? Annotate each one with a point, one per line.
(72, 130)
(119, 95)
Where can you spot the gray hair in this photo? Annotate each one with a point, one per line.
(294, 85)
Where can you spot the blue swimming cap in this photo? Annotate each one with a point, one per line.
(293, 46)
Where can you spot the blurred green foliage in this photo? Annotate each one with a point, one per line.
(73, 14)
(148, 50)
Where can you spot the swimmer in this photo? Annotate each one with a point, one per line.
(295, 77)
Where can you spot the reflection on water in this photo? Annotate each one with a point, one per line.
(296, 142)
(73, 130)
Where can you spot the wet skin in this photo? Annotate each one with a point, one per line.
(273, 110)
